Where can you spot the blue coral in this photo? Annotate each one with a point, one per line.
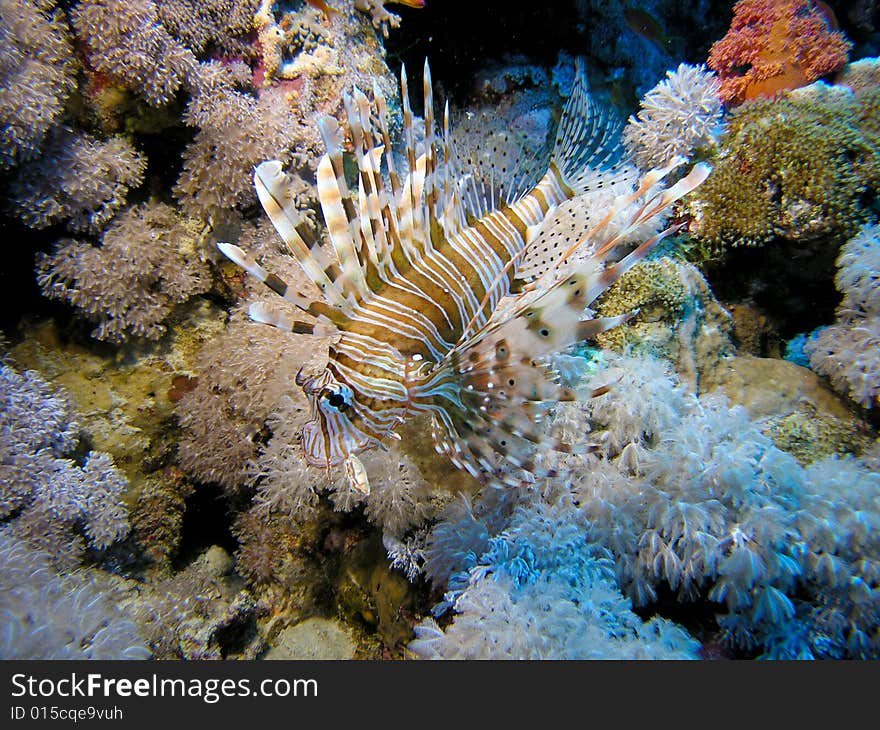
(49, 616)
(688, 499)
(45, 495)
(541, 590)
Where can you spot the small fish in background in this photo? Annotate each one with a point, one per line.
(644, 24)
(321, 5)
(330, 11)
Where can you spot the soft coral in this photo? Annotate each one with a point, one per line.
(773, 45)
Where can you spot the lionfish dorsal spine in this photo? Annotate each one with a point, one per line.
(340, 213)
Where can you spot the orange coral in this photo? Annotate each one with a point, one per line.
(773, 45)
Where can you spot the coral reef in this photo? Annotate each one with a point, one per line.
(200, 612)
(542, 591)
(236, 131)
(36, 75)
(769, 386)
(78, 178)
(802, 167)
(210, 25)
(677, 318)
(154, 496)
(848, 352)
(368, 590)
(679, 115)
(312, 63)
(46, 496)
(241, 376)
(52, 616)
(691, 498)
(157, 516)
(811, 436)
(381, 17)
(781, 45)
(278, 553)
(124, 395)
(127, 42)
(148, 262)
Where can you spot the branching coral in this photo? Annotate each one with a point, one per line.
(848, 352)
(236, 132)
(79, 179)
(801, 167)
(203, 25)
(36, 75)
(780, 45)
(381, 17)
(715, 504)
(542, 591)
(45, 494)
(241, 376)
(679, 115)
(148, 262)
(127, 41)
(50, 616)
(690, 497)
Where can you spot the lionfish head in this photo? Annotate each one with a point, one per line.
(332, 436)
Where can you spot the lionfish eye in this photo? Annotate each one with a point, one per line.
(337, 401)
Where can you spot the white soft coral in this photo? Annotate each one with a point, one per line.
(848, 352)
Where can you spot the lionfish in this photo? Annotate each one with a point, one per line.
(421, 260)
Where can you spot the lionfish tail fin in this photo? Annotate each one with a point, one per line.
(587, 138)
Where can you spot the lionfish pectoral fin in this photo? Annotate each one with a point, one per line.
(357, 475)
(266, 314)
(275, 192)
(501, 368)
(587, 138)
(547, 316)
(482, 447)
(505, 389)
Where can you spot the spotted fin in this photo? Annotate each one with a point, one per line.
(573, 233)
(587, 138)
(501, 369)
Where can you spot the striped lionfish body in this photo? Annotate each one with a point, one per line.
(422, 260)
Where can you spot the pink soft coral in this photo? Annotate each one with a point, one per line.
(773, 45)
